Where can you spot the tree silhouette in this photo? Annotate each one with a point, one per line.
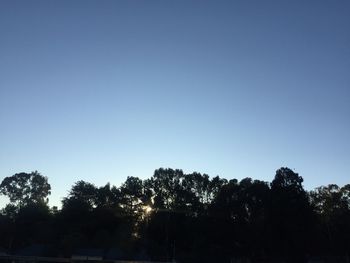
(25, 188)
(290, 215)
(82, 192)
(187, 217)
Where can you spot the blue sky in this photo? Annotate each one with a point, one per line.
(102, 90)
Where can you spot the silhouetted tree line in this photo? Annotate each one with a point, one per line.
(189, 217)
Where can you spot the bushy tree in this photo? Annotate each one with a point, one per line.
(25, 188)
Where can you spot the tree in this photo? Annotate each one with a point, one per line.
(215, 186)
(330, 200)
(26, 188)
(331, 203)
(108, 197)
(82, 192)
(166, 186)
(290, 216)
(132, 195)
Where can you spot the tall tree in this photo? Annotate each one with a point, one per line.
(132, 191)
(25, 188)
(166, 185)
(332, 205)
(83, 193)
(290, 215)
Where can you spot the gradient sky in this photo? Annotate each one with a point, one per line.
(102, 90)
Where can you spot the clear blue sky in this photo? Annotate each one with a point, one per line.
(102, 90)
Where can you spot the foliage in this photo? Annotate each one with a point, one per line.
(189, 217)
(25, 188)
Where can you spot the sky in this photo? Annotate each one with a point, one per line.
(102, 90)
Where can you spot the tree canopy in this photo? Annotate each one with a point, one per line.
(25, 188)
(188, 217)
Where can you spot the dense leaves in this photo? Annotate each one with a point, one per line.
(25, 188)
(187, 217)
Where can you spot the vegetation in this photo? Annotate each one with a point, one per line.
(190, 217)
